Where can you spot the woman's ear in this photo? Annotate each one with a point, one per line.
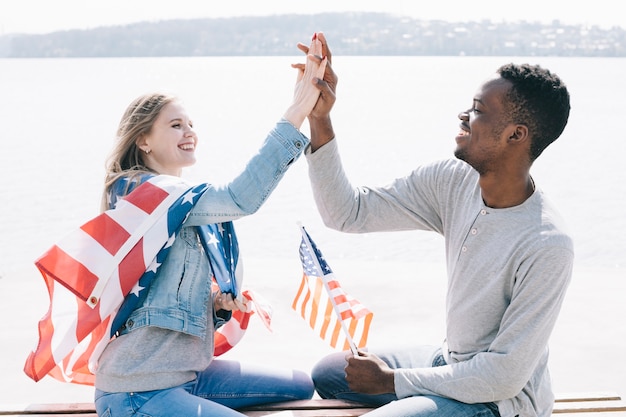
(142, 144)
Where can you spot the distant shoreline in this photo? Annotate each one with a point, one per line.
(351, 33)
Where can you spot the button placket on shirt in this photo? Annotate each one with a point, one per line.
(473, 230)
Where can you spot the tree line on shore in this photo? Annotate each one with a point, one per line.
(349, 34)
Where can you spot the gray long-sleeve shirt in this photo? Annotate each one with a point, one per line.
(508, 271)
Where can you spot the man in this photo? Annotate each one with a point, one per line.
(509, 261)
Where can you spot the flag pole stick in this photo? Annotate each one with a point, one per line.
(353, 347)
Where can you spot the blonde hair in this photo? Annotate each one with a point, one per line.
(126, 159)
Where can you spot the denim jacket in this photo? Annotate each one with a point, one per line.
(179, 296)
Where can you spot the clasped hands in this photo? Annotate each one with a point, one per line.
(319, 52)
(319, 117)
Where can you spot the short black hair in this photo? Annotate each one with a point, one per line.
(538, 99)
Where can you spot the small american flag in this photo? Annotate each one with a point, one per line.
(96, 274)
(335, 316)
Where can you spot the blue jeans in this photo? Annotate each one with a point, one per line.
(216, 392)
(330, 382)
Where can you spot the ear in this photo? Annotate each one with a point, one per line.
(141, 143)
(519, 134)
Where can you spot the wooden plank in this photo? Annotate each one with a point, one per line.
(20, 414)
(320, 413)
(588, 406)
(324, 412)
(589, 396)
(595, 414)
(308, 405)
(574, 404)
(308, 408)
(47, 409)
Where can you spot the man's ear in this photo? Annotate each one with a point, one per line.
(519, 134)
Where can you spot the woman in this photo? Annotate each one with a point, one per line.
(161, 362)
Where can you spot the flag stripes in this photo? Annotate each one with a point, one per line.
(93, 276)
(335, 316)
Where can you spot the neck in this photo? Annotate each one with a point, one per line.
(504, 193)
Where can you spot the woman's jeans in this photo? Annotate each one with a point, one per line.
(330, 382)
(221, 388)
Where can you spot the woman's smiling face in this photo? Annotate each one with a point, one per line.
(170, 145)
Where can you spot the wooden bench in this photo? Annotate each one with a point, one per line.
(575, 405)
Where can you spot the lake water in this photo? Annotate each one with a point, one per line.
(392, 113)
(59, 117)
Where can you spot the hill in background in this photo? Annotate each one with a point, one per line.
(349, 34)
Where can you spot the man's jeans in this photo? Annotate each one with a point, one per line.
(330, 382)
(223, 386)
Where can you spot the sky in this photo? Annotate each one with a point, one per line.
(44, 16)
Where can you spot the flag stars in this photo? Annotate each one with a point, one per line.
(212, 240)
(188, 198)
(137, 289)
(113, 306)
(154, 265)
(170, 241)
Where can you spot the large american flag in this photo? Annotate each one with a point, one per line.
(96, 274)
(335, 316)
